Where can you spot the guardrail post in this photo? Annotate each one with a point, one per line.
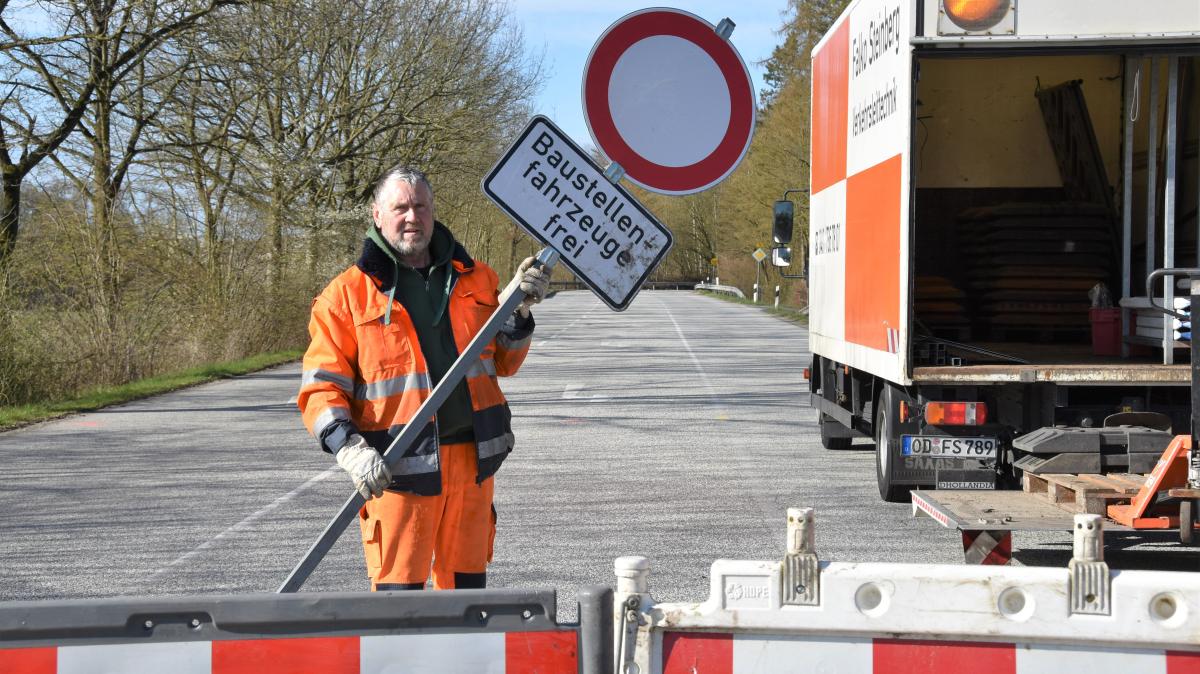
(633, 592)
(596, 630)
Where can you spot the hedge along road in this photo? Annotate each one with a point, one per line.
(679, 430)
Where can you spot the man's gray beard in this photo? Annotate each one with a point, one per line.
(408, 249)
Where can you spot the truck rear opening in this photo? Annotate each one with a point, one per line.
(1030, 214)
(988, 194)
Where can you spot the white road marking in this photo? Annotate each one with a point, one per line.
(699, 368)
(246, 523)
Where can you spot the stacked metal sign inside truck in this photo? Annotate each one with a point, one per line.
(992, 183)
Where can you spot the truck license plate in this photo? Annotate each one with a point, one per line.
(950, 447)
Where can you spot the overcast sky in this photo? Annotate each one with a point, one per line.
(567, 29)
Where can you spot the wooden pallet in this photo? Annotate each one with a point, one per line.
(1084, 493)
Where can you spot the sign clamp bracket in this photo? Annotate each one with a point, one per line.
(614, 173)
(725, 28)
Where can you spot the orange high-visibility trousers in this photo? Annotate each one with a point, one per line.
(404, 534)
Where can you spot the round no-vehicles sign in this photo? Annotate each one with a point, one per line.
(669, 99)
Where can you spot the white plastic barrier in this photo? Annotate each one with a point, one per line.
(801, 615)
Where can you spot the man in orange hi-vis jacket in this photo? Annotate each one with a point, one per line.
(384, 333)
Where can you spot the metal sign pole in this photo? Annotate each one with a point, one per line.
(509, 299)
(757, 276)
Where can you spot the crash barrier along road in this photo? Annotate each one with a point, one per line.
(797, 614)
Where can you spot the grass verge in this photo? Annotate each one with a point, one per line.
(786, 313)
(23, 415)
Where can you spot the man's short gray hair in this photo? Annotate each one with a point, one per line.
(404, 173)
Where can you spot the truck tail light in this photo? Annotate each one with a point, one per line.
(956, 414)
(807, 374)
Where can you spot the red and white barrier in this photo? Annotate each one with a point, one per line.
(467, 653)
(803, 615)
(725, 653)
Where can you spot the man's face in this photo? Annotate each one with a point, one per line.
(404, 214)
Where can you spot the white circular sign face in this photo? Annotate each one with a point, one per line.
(674, 120)
(669, 100)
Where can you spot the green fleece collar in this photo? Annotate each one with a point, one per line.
(441, 252)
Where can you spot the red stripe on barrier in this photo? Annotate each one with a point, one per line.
(328, 655)
(1179, 662)
(686, 653)
(29, 661)
(904, 656)
(541, 653)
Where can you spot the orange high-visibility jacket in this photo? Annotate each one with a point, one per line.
(367, 377)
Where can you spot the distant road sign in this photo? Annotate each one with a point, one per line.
(669, 99)
(759, 255)
(553, 189)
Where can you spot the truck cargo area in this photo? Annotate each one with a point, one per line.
(1046, 188)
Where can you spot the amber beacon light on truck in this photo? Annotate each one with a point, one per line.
(977, 17)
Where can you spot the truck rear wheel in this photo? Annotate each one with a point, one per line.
(887, 448)
(832, 433)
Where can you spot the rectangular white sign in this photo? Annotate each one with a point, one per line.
(559, 195)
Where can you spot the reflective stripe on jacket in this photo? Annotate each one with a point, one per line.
(362, 375)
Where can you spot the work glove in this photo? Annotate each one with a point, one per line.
(365, 466)
(535, 281)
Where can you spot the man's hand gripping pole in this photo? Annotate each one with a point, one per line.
(510, 298)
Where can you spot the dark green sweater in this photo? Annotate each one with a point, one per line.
(425, 295)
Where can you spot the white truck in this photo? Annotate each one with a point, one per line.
(991, 183)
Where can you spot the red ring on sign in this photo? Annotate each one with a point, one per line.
(598, 77)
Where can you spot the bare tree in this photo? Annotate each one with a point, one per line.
(340, 95)
(52, 80)
(198, 185)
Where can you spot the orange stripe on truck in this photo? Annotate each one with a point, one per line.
(830, 103)
(873, 254)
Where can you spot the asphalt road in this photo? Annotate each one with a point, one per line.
(678, 430)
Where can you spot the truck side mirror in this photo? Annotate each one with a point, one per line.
(782, 230)
(781, 256)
